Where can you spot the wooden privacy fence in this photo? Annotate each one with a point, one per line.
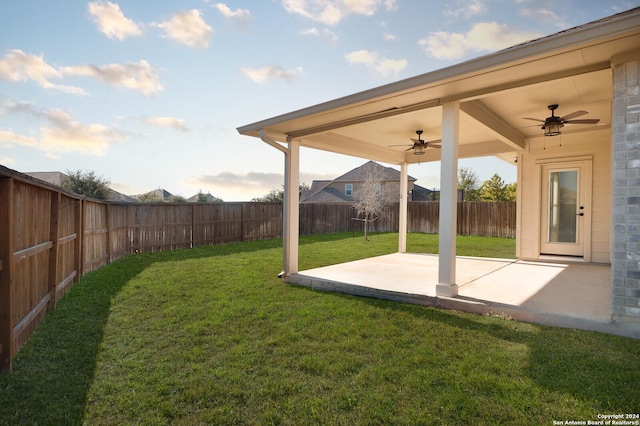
(50, 238)
(491, 219)
(111, 230)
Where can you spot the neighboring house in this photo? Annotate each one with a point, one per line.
(578, 178)
(156, 195)
(344, 188)
(58, 178)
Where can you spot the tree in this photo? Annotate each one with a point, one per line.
(511, 191)
(87, 184)
(368, 197)
(177, 199)
(468, 183)
(277, 195)
(495, 189)
(207, 198)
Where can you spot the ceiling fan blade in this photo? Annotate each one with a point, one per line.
(573, 115)
(404, 144)
(435, 141)
(434, 146)
(416, 141)
(583, 121)
(409, 149)
(534, 119)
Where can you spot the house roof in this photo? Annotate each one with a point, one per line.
(360, 174)
(420, 193)
(496, 92)
(322, 191)
(58, 178)
(327, 194)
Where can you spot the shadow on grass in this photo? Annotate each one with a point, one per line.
(599, 369)
(53, 372)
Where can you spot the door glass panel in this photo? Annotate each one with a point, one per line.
(563, 205)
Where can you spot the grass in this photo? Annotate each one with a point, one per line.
(211, 336)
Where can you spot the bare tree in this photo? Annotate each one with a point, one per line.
(368, 197)
(468, 183)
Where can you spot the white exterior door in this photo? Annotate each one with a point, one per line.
(565, 208)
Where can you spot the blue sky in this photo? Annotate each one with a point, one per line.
(149, 94)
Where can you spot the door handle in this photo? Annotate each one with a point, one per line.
(580, 214)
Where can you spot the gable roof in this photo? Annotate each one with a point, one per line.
(359, 174)
(322, 191)
(327, 194)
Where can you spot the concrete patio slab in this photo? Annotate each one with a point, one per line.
(575, 295)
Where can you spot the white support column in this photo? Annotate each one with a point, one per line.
(448, 201)
(291, 208)
(402, 225)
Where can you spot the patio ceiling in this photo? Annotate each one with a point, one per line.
(496, 92)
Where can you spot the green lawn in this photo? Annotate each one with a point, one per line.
(212, 336)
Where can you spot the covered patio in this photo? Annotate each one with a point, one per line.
(564, 294)
(496, 105)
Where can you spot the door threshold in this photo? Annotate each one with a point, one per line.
(561, 258)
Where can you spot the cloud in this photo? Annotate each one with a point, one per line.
(17, 65)
(483, 36)
(331, 12)
(261, 75)
(465, 9)
(136, 76)
(7, 161)
(67, 135)
(240, 17)
(374, 61)
(111, 21)
(389, 37)
(187, 28)
(9, 106)
(169, 122)
(255, 184)
(544, 16)
(327, 34)
(10, 138)
(61, 133)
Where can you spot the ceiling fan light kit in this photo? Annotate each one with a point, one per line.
(552, 129)
(419, 146)
(552, 125)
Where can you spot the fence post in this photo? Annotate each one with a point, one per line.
(193, 225)
(78, 246)
(7, 345)
(242, 227)
(107, 219)
(54, 250)
(129, 236)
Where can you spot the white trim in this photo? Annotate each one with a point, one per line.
(586, 193)
(348, 189)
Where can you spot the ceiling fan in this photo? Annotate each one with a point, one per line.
(419, 145)
(552, 125)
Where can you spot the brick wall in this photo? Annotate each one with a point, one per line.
(625, 265)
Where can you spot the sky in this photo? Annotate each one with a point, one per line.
(148, 94)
